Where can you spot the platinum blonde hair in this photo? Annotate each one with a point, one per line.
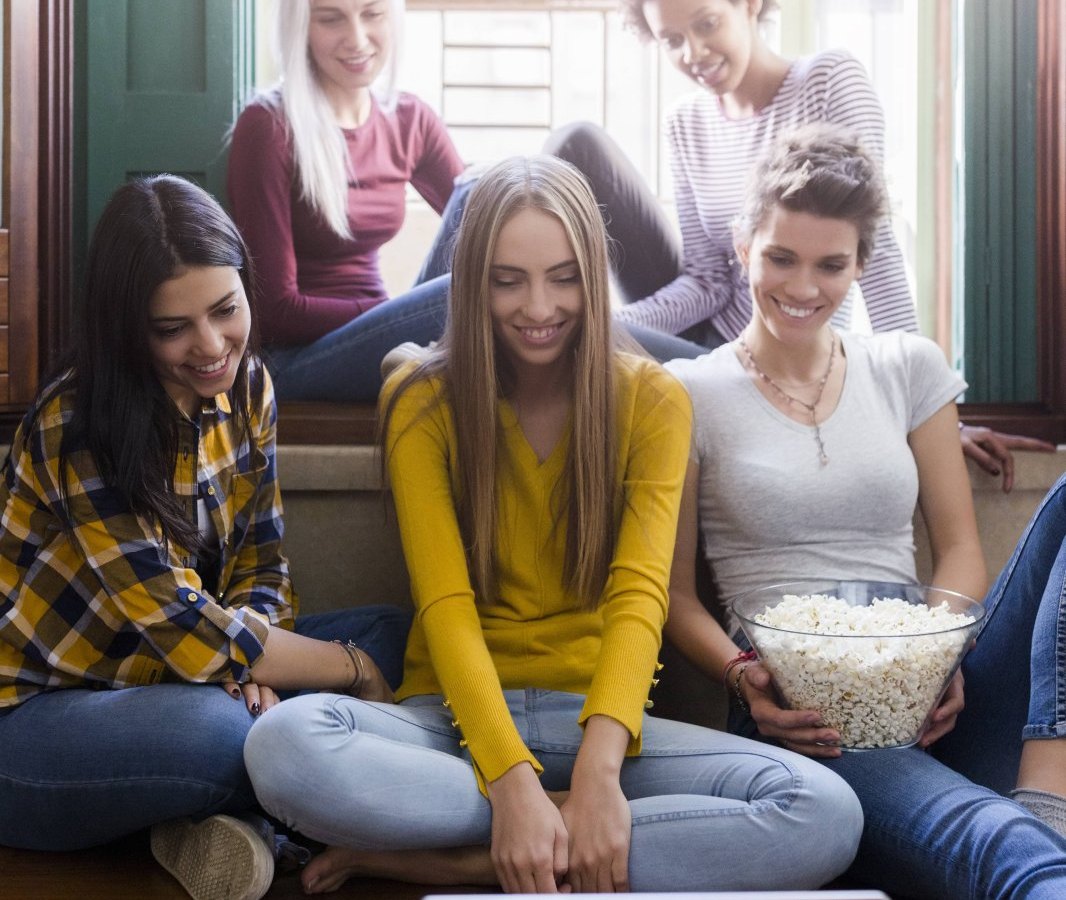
(318, 143)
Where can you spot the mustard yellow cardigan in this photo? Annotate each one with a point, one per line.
(536, 633)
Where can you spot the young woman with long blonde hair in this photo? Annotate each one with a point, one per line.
(536, 470)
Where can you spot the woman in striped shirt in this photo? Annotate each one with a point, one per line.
(748, 94)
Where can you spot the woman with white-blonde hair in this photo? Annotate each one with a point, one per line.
(318, 176)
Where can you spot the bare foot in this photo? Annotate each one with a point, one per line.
(329, 870)
(459, 865)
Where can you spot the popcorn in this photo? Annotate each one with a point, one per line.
(874, 671)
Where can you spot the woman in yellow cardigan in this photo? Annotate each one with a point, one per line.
(537, 474)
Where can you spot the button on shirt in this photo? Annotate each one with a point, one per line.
(94, 597)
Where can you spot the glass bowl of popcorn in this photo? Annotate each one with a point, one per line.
(874, 658)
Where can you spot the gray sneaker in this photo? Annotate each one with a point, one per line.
(219, 858)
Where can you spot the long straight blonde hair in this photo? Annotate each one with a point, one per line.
(320, 151)
(476, 374)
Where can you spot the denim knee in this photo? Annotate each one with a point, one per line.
(139, 756)
(834, 817)
(275, 744)
(273, 736)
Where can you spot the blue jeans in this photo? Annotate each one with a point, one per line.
(80, 768)
(937, 823)
(344, 366)
(709, 810)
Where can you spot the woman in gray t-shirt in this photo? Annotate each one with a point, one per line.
(811, 448)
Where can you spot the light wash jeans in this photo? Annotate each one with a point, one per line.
(79, 768)
(710, 810)
(937, 824)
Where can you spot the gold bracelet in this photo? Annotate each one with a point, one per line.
(357, 664)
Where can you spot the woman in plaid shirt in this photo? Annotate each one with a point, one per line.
(146, 610)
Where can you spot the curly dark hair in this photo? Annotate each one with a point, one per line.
(632, 12)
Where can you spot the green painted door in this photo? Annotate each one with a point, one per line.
(165, 79)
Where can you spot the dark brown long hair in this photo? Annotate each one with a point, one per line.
(150, 230)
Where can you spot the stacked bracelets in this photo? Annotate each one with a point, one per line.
(357, 664)
(743, 657)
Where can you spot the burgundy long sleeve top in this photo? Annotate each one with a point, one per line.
(311, 280)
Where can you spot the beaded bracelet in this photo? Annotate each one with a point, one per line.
(741, 702)
(743, 657)
(357, 663)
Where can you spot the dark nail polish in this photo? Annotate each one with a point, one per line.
(255, 709)
(235, 692)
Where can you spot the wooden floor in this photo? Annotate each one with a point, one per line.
(125, 870)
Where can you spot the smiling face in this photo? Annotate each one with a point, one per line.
(535, 295)
(199, 322)
(800, 267)
(348, 42)
(710, 41)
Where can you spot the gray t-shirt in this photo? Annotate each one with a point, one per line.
(769, 510)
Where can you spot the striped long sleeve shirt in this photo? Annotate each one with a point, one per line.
(93, 597)
(711, 159)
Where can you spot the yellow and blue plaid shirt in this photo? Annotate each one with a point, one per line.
(97, 598)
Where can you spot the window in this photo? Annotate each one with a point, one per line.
(504, 74)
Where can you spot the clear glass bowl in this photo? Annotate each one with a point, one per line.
(877, 690)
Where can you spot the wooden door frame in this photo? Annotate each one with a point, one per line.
(39, 160)
(21, 133)
(56, 175)
(1051, 205)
